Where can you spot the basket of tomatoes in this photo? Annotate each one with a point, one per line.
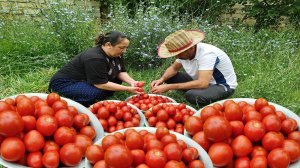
(169, 115)
(244, 131)
(115, 115)
(146, 147)
(146, 101)
(45, 130)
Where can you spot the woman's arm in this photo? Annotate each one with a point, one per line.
(124, 76)
(116, 87)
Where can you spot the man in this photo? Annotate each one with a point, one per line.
(209, 75)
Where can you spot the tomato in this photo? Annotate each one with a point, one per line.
(173, 151)
(202, 140)
(161, 131)
(154, 144)
(50, 159)
(288, 125)
(25, 107)
(140, 84)
(109, 140)
(70, 154)
(193, 125)
(254, 130)
(64, 135)
(88, 131)
(169, 138)
(266, 110)
(20, 97)
(50, 146)
(259, 151)
(259, 162)
(112, 107)
(4, 106)
(152, 121)
(217, 128)
(138, 156)
(237, 128)
(134, 141)
(295, 135)
(218, 106)
(207, 112)
(11, 123)
(174, 164)
(227, 102)
(241, 146)
(242, 162)
(81, 120)
(118, 156)
(52, 97)
(220, 153)
(46, 125)
(43, 110)
(12, 149)
(155, 158)
(278, 158)
(281, 115)
(142, 166)
(233, 112)
(82, 141)
(34, 141)
(272, 140)
(127, 116)
(260, 103)
(94, 153)
(272, 123)
(252, 115)
(34, 159)
(196, 164)
(189, 154)
(162, 115)
(10, 101)
(292, 148)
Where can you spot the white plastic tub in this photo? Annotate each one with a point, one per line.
(203, 156)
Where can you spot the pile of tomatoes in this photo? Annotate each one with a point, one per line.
(43, 133)
(146, 101)
(169, 115)
(115, 115)
(142, 149)
(238, 134)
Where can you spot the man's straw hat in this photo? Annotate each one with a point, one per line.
(179, 42)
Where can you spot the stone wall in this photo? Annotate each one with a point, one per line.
(31, 7)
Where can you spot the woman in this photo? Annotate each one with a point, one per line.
(96, 73)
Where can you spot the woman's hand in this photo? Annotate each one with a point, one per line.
(134, 90)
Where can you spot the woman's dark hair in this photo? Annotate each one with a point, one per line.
(114, 37)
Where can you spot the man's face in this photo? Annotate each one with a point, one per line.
(187, 55)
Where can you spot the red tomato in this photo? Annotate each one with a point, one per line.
(272, 123)
(254, 130)
(252, 115)
(155, 158)
(81, 120)
(52, 97)
(134, 141)
(292, 148)
(118, 156)
(218, 106)
(259, 151)
(11, 123)
(182, 144)
(34, 159)
(64, 135)
(152, 121)
(201, 139)
(220, 153)
(70, 154)
(64, 118)
(142, 166)
(58, 105)
(237, 128)
(46, 125)
(103, 113)
(281, 115)
(272, 140)
(193, 125)
(196, 164)
(169, 138)
(207, 112)
(88, 131)
(12, 149)
(82, 141)
(34, 141)
(266, 110)
(162, 115)
(43, 110)
(241, 146)
(259, 162)
(242, 162)
(288, 125)
(140, 84)
(138, 157)
(161, 132)
(217, 128)
(233, 112)
(174, 164)
(25, 107)
(278, 158)
(94, 153)
(260, 103)
(173, 151)
(4, 106)
(50, 159)
(189, 154)
(109, 140)
(50, 146)
(112, 107)
(295, 135)
(10, 101)
(154, 144)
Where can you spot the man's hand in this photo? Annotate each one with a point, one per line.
(160, 89)
(156, 83)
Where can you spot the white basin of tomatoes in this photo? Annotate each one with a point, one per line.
(40, 130)
(247, 133)
(146, 147)
(146, 101)
(169, 115)
(116, 115)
